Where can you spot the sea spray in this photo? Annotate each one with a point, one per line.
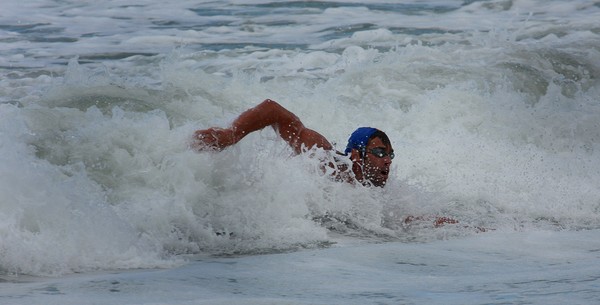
(492, 111)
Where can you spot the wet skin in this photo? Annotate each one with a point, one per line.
(371, 168)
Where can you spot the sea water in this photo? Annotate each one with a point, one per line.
(492, 108)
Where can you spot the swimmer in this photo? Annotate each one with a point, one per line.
(369, 149)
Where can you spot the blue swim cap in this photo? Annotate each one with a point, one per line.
(359, 139)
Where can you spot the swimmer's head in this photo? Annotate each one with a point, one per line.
(371, 152)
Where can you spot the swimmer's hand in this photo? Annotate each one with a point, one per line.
(437, 221)
(213, 139)
(440, 221)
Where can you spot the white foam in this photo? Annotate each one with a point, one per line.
(492, 114)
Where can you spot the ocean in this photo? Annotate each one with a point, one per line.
(492, 108)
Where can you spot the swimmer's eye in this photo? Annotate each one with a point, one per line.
(381, 153)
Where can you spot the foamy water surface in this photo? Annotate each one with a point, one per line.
(492, 108)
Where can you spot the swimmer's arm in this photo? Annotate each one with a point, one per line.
(267, 113)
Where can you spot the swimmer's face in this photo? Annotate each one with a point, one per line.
(377, 162)
(374, 166)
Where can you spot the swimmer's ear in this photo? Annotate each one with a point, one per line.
(355, 155)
